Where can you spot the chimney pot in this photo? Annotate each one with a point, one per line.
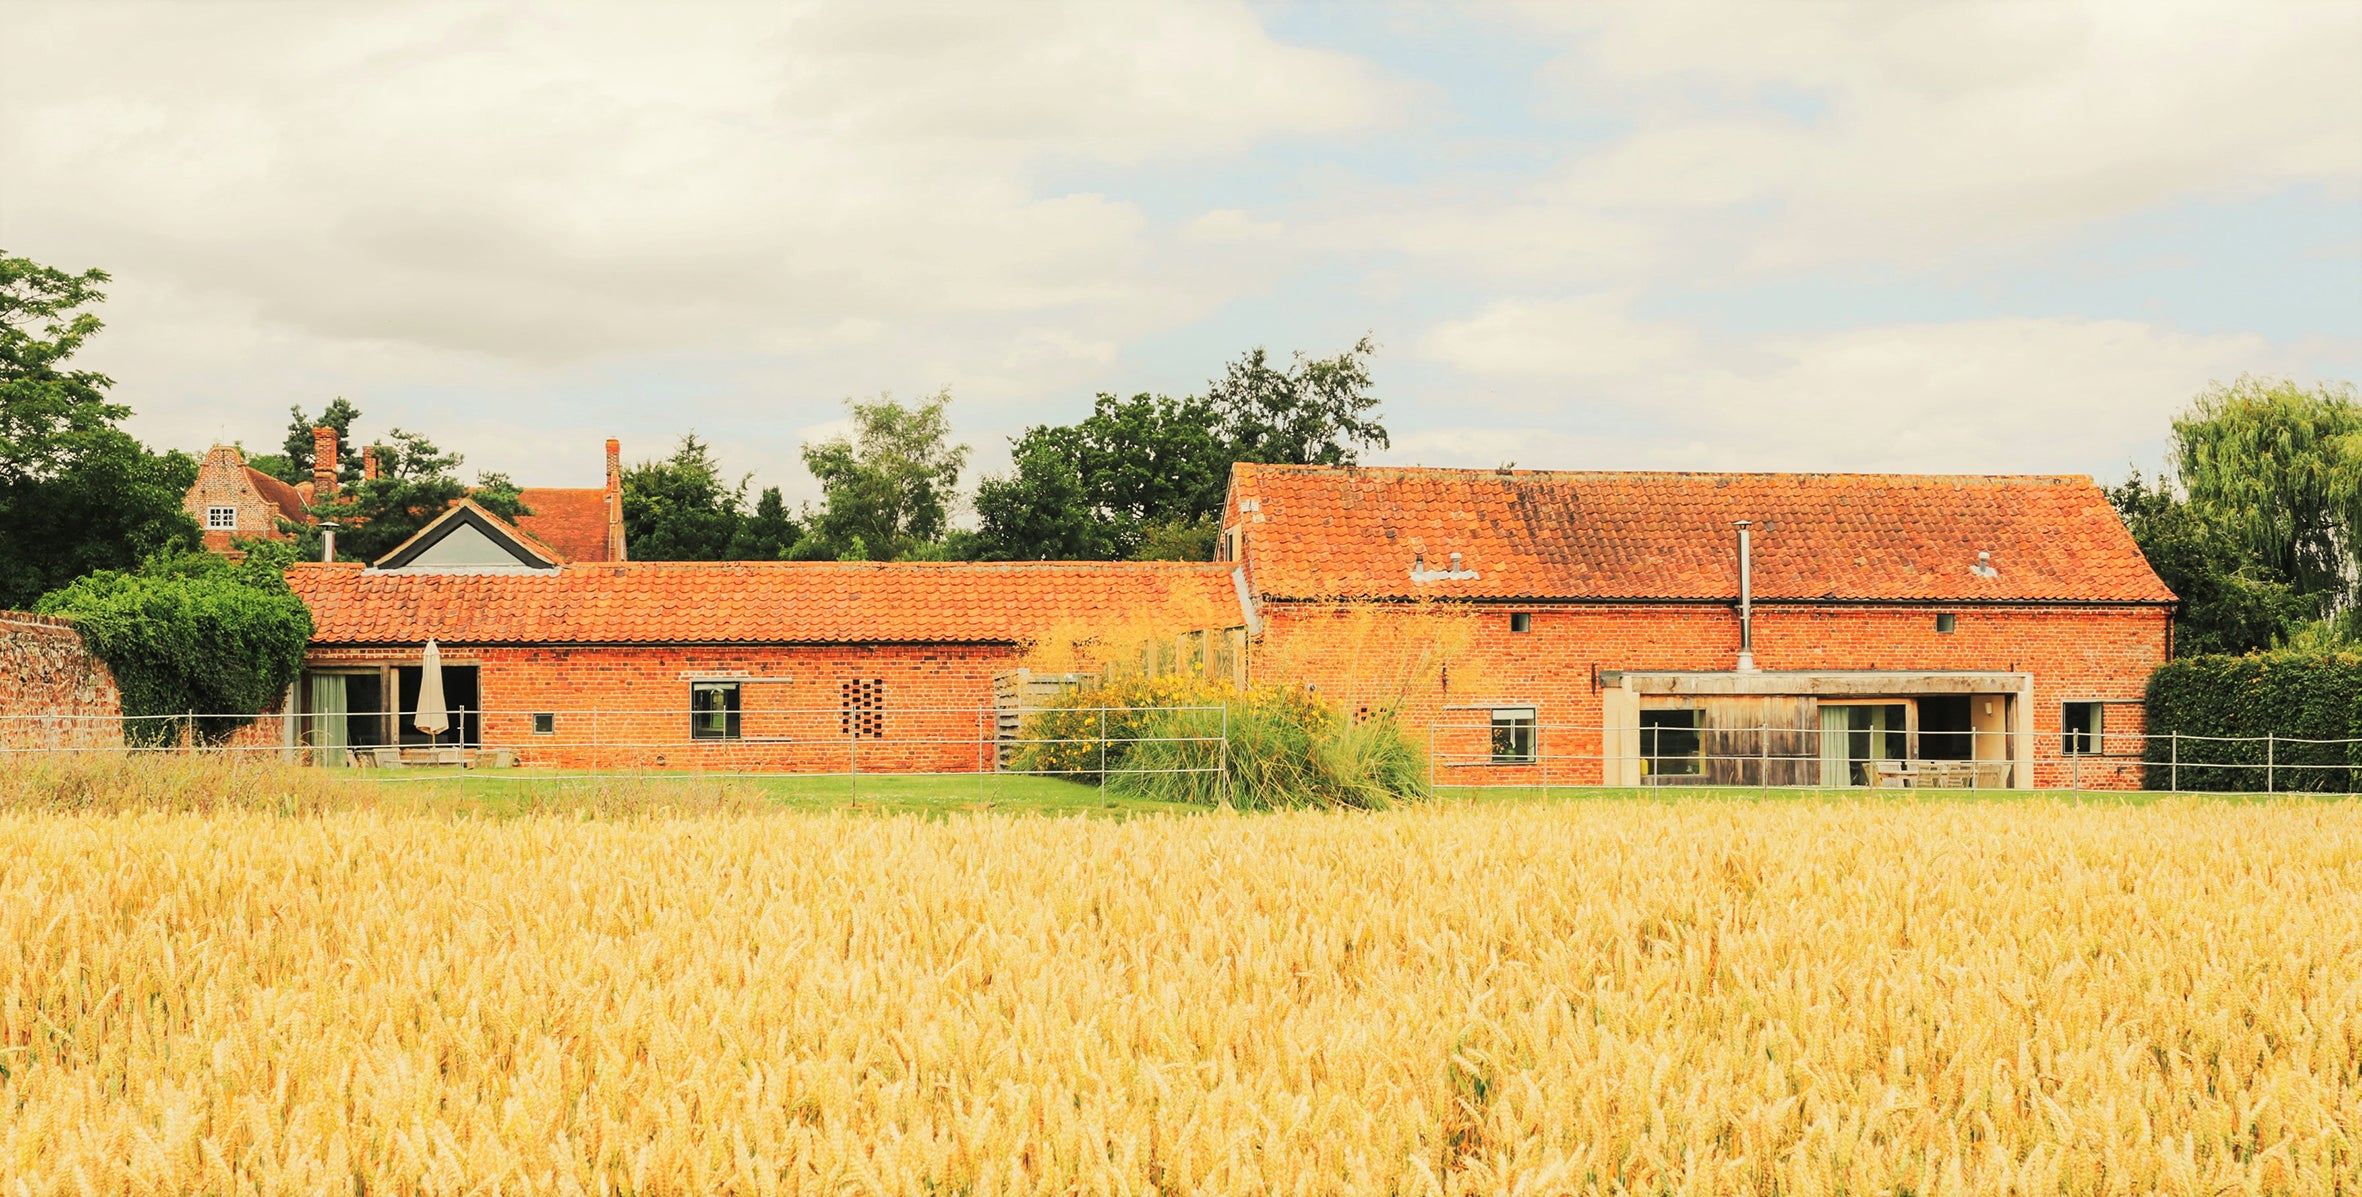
(1455, 563)
(616, 550)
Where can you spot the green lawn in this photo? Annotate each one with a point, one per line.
(509, 792)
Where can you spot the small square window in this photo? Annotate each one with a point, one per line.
(1946, 621)
(1521, 621)
(221, 518)
(545, 723)
(1671, 744)
(713, 710)
(2080, 725)
(1513, 735)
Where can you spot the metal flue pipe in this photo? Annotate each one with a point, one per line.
(1746, 597)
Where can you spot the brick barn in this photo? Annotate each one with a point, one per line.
(1588, 627)
(811, 666)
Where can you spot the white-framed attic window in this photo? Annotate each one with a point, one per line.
(218, 518)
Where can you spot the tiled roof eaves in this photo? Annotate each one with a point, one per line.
(611, 642)
(1728, 600)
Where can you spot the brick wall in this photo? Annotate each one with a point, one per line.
(53, 693)
(1427, 659)
(616, 707)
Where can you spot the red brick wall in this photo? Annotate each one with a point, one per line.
(1364, 656)
(53, 693)
(628, 707)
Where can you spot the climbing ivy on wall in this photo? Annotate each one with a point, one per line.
(191, 633)
(2291, 698)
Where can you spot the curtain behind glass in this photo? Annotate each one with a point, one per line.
(328, 719)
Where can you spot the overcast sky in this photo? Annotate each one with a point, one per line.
(1793, 236)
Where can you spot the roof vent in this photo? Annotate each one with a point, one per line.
(1457, 573)
(1984, 566)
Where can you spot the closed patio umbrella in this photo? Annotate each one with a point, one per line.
(431, 718)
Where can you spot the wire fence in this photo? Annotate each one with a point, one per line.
(847, 741)
(1522, 753)
(1096, 743)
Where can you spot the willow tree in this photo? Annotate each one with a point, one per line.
(2278, 466)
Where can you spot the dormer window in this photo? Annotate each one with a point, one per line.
(221, 519)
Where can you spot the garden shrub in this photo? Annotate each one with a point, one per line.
(2291, 697)
(191, 634)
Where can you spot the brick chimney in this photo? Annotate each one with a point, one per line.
(615, 546)
(369, 463)
(323, 464)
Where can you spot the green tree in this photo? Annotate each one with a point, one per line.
(192, 633)
(888, 490)
(1133, 470)
(77, 493)
(1144, 477)
(294, 464)
(2278, 467)
(679, 508)
(1041, 510)
(768, 533)
(1317, 411)
(415, 483)
(2231, 603)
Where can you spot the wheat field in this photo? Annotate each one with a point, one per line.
(1723, 997)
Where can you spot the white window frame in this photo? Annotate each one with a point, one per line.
(221, 518)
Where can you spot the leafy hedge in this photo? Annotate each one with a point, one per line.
(2292, 698)
(193, 633)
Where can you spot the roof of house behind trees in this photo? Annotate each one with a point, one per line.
(1582, 536)
(709, 602)
(286, 498)
(570, 520)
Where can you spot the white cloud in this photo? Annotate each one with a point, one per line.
(1775, 137)
(304, 200)
(1590, 337)
(2002, 395)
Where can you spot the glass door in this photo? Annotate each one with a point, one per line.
(1855, 736)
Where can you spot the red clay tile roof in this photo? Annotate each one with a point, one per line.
(704, 602)
(1548, 535)
(290, 504)
(572, 521)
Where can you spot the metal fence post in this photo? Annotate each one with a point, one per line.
(2176, 770)
(2271, 746)
(1103, 755)
(1763, 758)
(1222, 779)
(852, 757)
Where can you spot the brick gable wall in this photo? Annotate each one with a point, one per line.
(222, 482)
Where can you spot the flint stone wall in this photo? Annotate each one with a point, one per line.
(53, 692)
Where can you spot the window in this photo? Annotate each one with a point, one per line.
(1513, 735)
(221, 517)
(545, 723)
(2081, 724)
(1671, 744)
(1946, 621)
(1521, 621)
(713, 710)
(864, 713)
